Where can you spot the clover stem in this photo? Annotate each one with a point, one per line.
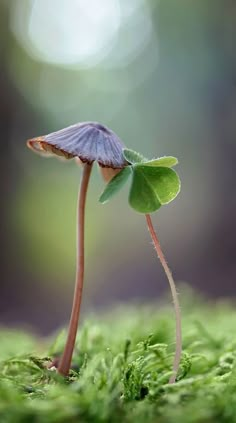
(65, 362)
(178, 333)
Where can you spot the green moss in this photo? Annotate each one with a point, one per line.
(121, 368)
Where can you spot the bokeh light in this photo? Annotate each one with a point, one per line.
(84, 33)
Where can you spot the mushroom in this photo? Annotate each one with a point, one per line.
(88, 142)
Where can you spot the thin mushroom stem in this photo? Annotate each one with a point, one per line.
(178, 333)
(65, 362)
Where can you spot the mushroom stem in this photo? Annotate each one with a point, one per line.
(65, 362)
(178, 333)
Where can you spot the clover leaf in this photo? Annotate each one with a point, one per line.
(166, 161)
(153, 184)
(115, 184)
(152, 187)
(133, 157)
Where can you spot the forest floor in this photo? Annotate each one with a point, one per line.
(121, 368)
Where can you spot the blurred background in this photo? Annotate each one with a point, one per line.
(162, 75)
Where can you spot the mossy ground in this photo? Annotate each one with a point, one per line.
(121, 369)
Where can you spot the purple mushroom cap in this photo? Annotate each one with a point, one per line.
(89, 141)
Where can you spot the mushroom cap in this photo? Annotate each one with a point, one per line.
(89, 141)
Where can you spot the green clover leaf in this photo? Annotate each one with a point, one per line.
(152, 187)
(166, 161)
(115, 184)
(133, 157)
(153, 184)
